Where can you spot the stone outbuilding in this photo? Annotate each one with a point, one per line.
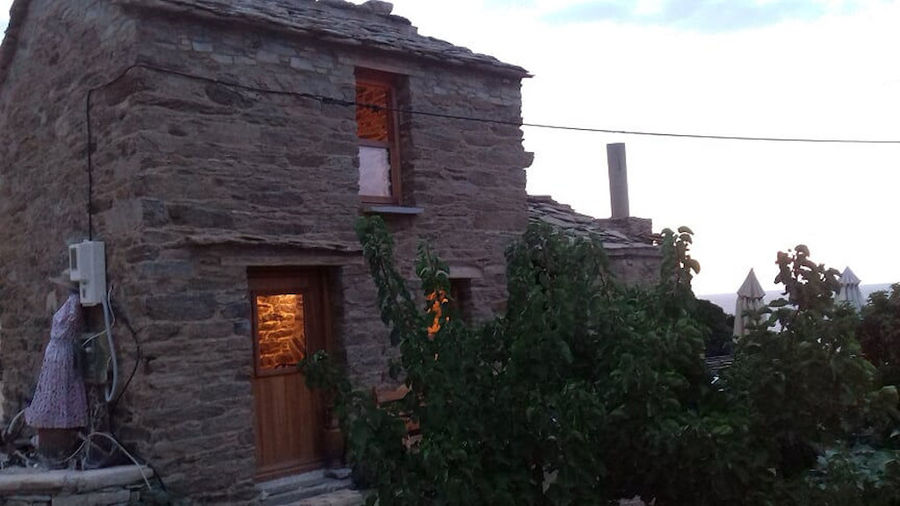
(629, 242)
(223, 150)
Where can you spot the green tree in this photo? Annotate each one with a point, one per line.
(879, 333)
(586, 391)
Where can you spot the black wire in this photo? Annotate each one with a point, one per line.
(352, 103)
(342, 102)
(158, 476)
(90, 174)
(139, 356)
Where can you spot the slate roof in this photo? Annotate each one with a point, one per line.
(614, 234)
(716, 365)
(368, 25)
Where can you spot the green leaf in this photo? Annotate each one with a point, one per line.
(566, 352)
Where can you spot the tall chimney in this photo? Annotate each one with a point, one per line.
(618, 180)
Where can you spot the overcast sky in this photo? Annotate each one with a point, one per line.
(797, 68)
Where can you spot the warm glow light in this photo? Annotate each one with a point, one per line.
(280, 330)
(435, 304)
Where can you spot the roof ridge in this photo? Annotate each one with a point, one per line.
(615, 233)
(333, 20)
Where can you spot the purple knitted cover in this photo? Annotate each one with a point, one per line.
(59, 400)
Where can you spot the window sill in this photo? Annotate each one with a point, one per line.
(390, 209)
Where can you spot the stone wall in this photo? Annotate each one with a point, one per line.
(61, 50)
(637, 266)
(228, 179)
(114, 486)
(194, 182)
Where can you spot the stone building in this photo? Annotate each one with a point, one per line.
(228, 164)
(219, 150)
(629, 242)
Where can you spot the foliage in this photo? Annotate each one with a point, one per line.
(720, 327)
(678, 269)
(857, 476)
(879, 333)
(586, 391)
(804, 382)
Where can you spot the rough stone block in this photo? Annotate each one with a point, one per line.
(92, 499)
(202, 47)
(29, 500)
(181, 307)
(222, 58)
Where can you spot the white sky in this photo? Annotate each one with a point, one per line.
(777, 68)
(799, 68)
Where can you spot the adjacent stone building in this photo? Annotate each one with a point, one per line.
(629, 242)
(222, 150)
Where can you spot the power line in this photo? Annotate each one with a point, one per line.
(352, 103)
(717, 137)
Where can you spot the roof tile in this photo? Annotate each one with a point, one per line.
(544, 209)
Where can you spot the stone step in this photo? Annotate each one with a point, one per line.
(290, 490)
(279, 485)
(338, 498)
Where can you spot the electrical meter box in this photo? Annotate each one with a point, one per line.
(87, 266)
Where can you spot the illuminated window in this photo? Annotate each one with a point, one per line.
(434, 302)
(376, 130)
(459, 302)
(281, 335)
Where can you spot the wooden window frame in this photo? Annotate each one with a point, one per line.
(384, 79)
(287, 280)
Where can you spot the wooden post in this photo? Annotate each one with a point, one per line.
(618, 180)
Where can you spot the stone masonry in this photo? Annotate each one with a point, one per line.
(113, 486)
(52, 54)
(631, 247)
(196, 180)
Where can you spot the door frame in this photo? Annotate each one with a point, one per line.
(275, 280)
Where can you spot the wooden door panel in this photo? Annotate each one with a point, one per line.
(288, 428)
(289, 417)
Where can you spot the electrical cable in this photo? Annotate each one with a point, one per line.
(8, 430)
(111, 388)
(342, 102)
(127, 454)
(90, 162)
(139, 355)
(88, 339)
(72, 456)
(158, 477)
(352, 103)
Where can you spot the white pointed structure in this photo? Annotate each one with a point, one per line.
(750, 297)
(849, 291)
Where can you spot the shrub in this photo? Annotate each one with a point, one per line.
(585, 391)
(879, 333)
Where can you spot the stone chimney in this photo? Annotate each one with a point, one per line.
(618, 180)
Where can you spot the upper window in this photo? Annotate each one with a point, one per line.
(376, 129)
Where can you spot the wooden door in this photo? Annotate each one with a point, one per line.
(290, 320)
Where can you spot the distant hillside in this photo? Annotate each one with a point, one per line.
(727, 301)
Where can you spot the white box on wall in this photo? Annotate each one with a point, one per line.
(87, 266)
